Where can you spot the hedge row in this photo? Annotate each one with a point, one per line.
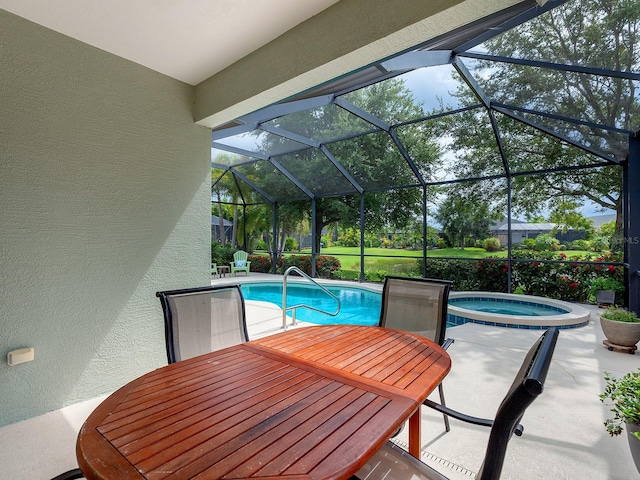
(563, 281)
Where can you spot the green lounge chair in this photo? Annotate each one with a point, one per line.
(240, 263)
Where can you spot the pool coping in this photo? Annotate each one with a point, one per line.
(276, 278)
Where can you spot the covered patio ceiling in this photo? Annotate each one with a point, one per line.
(545, 106)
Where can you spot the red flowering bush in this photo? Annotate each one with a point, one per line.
(491, 274)
(260, 263)
(326, 265)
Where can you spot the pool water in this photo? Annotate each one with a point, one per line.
(357, 306)
(506, 307)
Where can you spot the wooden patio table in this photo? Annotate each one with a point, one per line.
(308, 403)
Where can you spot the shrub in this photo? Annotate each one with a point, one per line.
(374, 275)
(529, 243)
(491, 274)
(290, 244)
(440, 243)
(261, 245)
(326, 265)
(325, 240)
(599, 244)
(221, 255)
(372, 241)
(260, 263)
(581, 245)
(460, 272)
(350, 237)
(491, 244)
(545, 242)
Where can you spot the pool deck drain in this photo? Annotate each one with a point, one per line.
(436, 461)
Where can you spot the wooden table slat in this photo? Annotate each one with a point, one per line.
(310, 451)
(353, 447)
(185, 398)
(133, 438)
(214, 429)
(299, 432)
(186, 369)
(392, 350)
(369, 350)
(228, 447)
(218, 367)
(261, 371)
(403, 357)
(400, 373)
(325, 350)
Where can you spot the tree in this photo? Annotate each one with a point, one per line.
(566, 216)
(464, 218)
(372, 159)
(599, 33)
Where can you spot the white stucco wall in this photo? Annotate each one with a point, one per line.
(104, 199)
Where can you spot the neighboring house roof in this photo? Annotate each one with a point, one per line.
(215, 220)
(527, 227)
(599, 220)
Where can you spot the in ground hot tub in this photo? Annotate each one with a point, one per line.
(515, 311)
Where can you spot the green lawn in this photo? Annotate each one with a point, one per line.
(403, 261)
(400, 252)
(397, 260)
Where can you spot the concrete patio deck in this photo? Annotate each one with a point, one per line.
(564, 437)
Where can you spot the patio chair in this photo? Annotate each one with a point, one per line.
(392, 462)
(418, 305)
(240, 263)
(202, 320)
(214, 269)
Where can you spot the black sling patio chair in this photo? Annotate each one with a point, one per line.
(202, 320)
(393, 463)
(418, 305)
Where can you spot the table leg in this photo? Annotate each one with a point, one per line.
(414, 433)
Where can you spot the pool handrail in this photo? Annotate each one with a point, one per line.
(302, 305)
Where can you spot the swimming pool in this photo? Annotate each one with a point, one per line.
(358, 306)
(361, 306)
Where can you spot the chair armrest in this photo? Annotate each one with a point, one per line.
(484, 422)
(447, 342)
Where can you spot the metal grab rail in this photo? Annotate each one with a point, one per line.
(301, 305)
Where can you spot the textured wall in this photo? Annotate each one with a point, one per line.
(104, 199)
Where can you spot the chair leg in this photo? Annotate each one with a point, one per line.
(446, 417)
(71, 474)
